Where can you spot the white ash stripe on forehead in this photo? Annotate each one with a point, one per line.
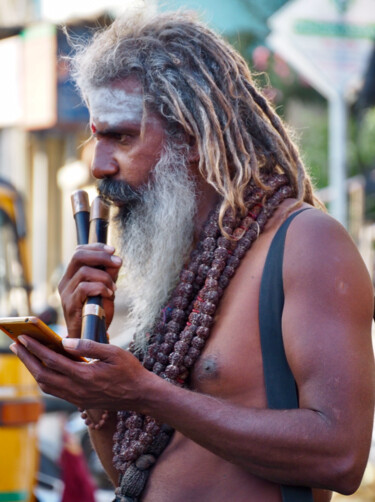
(113, 106)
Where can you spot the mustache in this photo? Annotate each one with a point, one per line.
(118, 192)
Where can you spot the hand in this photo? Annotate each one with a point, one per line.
(112, 381)
(83, 278)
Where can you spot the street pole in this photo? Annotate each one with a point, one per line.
(337, 156)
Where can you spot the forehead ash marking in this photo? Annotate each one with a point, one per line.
(113, 106)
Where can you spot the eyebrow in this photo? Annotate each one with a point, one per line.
(116, 129)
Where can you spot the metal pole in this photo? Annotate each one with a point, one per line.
(337, 157)
(40, 226)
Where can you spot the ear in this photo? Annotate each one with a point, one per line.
(193, 155)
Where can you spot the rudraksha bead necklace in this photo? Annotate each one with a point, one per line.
(184, 326)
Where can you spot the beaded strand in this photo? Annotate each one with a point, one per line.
(180, 336)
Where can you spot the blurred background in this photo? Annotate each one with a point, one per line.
(315, 62)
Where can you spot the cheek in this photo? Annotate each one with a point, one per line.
(135, 169)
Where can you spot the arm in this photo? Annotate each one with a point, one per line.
(102, 441)
(326, 326)
(323, 444)
(72, 380)
(82, 279)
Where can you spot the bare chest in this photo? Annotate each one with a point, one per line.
(230, 366)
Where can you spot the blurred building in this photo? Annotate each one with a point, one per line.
(43, 123)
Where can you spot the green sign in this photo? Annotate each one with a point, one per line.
(333, 29)
(22, 496)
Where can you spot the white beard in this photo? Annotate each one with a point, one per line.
(155, 239)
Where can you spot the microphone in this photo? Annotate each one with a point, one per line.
(93, 315)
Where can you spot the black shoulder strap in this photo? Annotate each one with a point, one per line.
(280, 384)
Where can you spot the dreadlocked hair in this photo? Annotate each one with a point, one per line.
(204, 90)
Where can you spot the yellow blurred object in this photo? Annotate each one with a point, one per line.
(14, 263)
(20, 400)
(18, 434)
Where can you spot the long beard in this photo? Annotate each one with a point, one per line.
(155, 234)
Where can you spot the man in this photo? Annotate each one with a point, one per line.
(204, 176)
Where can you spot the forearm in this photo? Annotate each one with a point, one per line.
(102, 441)
(298, 447)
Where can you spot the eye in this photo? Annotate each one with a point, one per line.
(123, 139)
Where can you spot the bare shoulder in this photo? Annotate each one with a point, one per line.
(318, 234)
(329, 300)
(321, 257)
(326, 327)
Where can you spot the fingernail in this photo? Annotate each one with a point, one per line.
(110, 292)
(109, 248)
(22, 339)
(13, 348)
(70, 343)
(116, 260)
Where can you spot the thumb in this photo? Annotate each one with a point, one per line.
(88, 348)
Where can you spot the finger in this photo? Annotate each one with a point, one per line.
(113, 272)
(86, 289)
(50, 381)
(86, 273)
(33, 364)
(50, 358)
(88, 282)
(80, 288)
(97, 246)
(89, 348)
(45, 377)
(85, 255)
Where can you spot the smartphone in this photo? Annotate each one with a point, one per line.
(35, 328)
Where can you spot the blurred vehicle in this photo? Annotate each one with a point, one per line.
(31, 423)
(14, 267)
(20, 399)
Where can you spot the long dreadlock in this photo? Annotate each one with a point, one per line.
(204, 89)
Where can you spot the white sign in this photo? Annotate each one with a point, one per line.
(328, 41)
(70, 9)
(11, 103)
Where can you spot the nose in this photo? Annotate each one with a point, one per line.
(103, 164)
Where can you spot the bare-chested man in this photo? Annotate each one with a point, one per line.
(204, 176)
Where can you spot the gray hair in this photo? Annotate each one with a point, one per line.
(204, 90)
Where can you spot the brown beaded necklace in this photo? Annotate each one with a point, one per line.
(184, 326)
